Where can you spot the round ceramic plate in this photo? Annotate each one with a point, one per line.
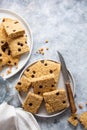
(25, 57)
(42, 111)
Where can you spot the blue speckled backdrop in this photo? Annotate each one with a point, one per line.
(64, 24)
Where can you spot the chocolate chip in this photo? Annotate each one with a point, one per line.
(14, 30)
(2, 41)
(16, 22)
(64, 101)
(7, 26)
(57, 93)
(19, 83)
(51, 71)
(32, 76)
(30, 104)
(52, 85)
(27, 70)
(38, 92)
(45, 64)
(15, 63)
(19, 49)
(75, 118)
(34, 72)
(26, 42)
(40, 86)
(9, 61)
(19, 43)
(0, 54)
(42, 61)
(3, 20)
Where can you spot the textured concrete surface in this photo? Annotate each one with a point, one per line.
(64, 24)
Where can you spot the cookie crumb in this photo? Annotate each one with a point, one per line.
(41, 51)
(46, 41)
(47, 48)
(80, 106)
(86, 103)
(83, 119)
(9, 70)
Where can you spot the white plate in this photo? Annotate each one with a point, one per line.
(24, 58)
(42, 111)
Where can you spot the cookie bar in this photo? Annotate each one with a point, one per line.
(23, 84)
(73, 120)
(83, 119)
(13, 28)
(18, 46)
(55, 100)
(12, 60)
(44, 84)
(43, 67)
(32, 103)
(3, 35)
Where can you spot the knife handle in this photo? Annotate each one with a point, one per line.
(70, 98)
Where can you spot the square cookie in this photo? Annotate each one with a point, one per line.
(18, 46)
(23, 84)
(44, 84)
(32, 103)
(73, 119)
(43, 67)
(13, 28)
(55, 100)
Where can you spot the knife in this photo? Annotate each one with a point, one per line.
(67, 84)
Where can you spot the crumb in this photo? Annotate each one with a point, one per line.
(41, 51)
(46, 41)
(9, 70)
(47, 48)
(86, 103)
(73, 119)
(80, 106)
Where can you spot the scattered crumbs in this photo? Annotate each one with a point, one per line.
(47, 48)
(80, 106)
(40, 51)
(9, 70)
(46, 41)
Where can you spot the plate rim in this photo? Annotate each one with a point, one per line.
(28, 26)
(73, 81)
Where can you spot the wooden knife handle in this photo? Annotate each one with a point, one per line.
(70, 98)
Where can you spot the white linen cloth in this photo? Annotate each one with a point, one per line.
(12, 118)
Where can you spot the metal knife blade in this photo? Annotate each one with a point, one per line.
(64, 68)
(67, 84)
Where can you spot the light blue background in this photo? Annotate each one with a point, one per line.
(64, 24)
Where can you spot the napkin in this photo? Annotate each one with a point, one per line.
(12, 118)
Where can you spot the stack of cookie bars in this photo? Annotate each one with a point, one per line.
(13, 42)
(43, 77)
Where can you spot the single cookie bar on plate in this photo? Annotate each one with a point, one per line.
(83, 119)
(3, 35)
(18, 46)
(44, 84)
(73, 119)
(43, 67)
(12, 27)
(55, 100)
(23, 84)
(32, 103)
